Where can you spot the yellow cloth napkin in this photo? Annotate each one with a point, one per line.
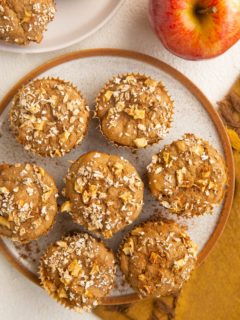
(148, 309)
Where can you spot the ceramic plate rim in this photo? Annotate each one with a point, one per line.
(215, 118)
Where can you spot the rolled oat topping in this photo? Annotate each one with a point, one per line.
(78, 271)
(134, 110)
(157, 257)
(27, 201)
(22, 21)
(188, 176)
(49, 117)
(105, 193)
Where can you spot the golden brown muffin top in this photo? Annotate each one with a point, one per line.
(22, 21)
(188, 177)
(78, 271)
(134, 110)
(49, 117)
(105, 192)
(27, 201)
(157, 257)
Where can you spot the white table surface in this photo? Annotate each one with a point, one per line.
(128, 29)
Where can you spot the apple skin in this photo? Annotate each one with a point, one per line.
(194, 36)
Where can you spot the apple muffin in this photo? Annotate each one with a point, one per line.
(157, 257)
(134, 110)
(78, 271)
(188, 177)
(24, 21)
(28, 203)
(105, 193)
(49, 117)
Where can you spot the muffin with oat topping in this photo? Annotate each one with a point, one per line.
(49, 117)
(134, 110)
(188, 176)
(157, 257)
(24, 21)
(78, 271)
(28, 203)
(105, 193)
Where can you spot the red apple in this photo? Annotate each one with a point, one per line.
(196, 29)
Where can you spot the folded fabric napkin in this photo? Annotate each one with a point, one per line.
(147, 309)
(213, 292)
(230, 110)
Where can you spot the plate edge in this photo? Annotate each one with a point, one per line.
(193, 89)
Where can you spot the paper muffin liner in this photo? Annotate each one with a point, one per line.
(154, 218)
(65, 302)
(213, 205)
(99, 233)
(61, 81)
(23, 242)
(119, 251)
(43, 283)
(103, 90)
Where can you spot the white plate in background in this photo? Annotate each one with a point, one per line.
(74, 21)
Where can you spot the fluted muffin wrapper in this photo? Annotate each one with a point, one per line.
(66, 82)
(23, 242)
(65, 302)
(154, 218)
(183, 214)
(99, 232)
(53, 295)
(114, 143)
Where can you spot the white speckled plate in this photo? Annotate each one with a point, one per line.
(74, 21)
(89, 70)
